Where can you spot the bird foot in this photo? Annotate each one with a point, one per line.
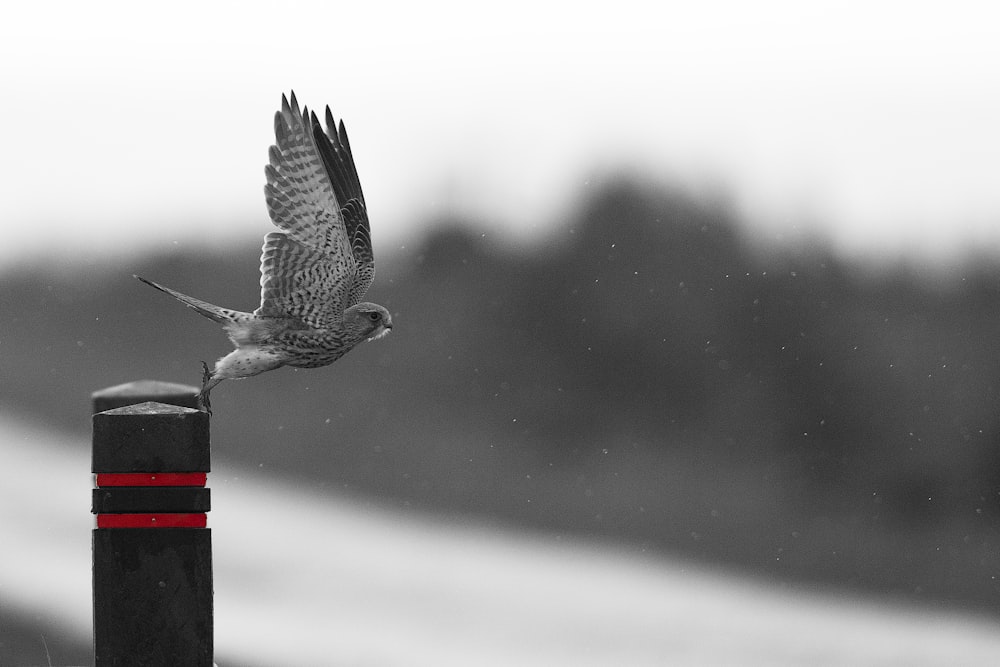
(204, 403)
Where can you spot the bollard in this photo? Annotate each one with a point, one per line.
(151, 547)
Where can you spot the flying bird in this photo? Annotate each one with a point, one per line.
(314, 270)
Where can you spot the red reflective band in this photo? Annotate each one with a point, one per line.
(151, 479)
(152, 520)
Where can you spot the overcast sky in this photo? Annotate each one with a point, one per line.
(874, 125)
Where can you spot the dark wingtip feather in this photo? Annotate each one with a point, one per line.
(289, 112)
(338, 130)
(331, 124)
(343, 136)
(322, 141)
(150, 283)
(280, 128)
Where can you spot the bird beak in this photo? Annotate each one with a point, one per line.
(382, 332)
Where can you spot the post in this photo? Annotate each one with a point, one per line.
(152, 550)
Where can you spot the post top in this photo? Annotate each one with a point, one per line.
(150, 408)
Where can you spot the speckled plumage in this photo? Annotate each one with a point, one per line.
(314, 269)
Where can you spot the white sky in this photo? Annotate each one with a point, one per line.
(872, 124)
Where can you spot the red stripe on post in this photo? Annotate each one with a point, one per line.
(151, 479)
(152, 520)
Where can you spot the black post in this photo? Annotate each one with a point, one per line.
(152, 551)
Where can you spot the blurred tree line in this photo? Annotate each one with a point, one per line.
(641, 373)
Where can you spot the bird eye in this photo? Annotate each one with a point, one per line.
(374, 317)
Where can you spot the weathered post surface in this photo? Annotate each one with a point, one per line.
(152, 550)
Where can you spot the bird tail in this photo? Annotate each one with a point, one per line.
(212, 312)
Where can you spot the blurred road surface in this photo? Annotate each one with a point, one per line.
(308, 579)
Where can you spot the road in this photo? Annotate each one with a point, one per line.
(309, 579)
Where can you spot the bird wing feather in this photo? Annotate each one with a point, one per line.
(320, 261)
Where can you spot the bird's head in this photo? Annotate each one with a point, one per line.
(367, 320)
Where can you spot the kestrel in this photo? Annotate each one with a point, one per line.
(314, 270)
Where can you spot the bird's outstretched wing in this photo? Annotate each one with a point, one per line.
(320, 262)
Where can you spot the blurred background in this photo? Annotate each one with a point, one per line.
(706, 292)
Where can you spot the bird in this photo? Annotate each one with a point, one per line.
(315, 267)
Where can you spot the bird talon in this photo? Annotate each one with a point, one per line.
(204, 403)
